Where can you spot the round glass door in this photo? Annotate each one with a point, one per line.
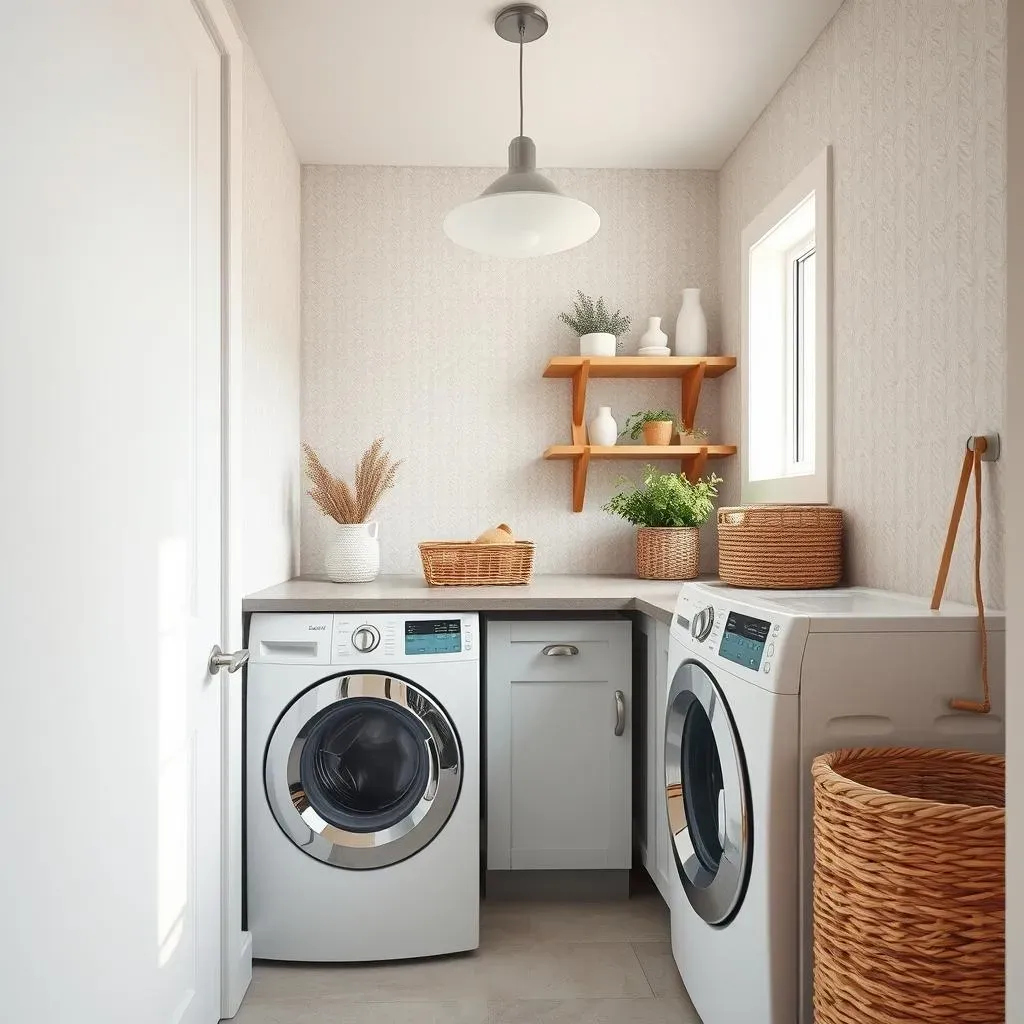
(363, 771)
(708, 796)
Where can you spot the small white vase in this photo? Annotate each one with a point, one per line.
(599, 344)
(603, 430)
(691, 326)
(654, 336)
(353, 555)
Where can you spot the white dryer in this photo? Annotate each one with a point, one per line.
(759, 683)
(363, 786)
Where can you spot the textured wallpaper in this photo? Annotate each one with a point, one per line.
(911, 97)
(441, 350)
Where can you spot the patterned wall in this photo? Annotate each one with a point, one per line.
(911, 97)
(441, 350)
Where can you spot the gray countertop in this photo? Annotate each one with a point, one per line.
(411, 593)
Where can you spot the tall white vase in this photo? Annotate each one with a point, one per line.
(602, 429)
(691, 326)
(353, 555)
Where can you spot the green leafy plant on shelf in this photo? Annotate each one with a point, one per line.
(635, 423)
(590, 317)
(665, 499)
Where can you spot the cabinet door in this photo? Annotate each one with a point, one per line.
(559, 744)
(659, 693)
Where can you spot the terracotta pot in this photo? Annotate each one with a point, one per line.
(659, 432)
(667, 552)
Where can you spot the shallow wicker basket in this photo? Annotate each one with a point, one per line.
(464, 564)
(909, 890)
(780, 547)
(667, 553)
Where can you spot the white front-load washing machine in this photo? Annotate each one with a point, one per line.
(760, 682)
(363, 786)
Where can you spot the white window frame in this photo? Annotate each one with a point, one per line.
(807, 481)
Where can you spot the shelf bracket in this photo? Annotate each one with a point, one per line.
(691, 386)
(579, 480)
(696, 465)
(579, 405)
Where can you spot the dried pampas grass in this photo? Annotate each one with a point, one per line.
(375, 474)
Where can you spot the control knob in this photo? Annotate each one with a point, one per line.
(703, 621)
(365, 639)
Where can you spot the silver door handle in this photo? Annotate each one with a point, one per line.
(620, 712)
(232, 662)
(560, 651)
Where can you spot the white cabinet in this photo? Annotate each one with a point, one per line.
(654, 841)
(559, 739)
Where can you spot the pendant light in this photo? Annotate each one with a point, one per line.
(522, 213)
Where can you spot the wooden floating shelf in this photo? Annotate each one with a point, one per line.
(690, 371)
(640, 367)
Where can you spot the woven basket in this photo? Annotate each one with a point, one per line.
(909, 888)
(780, 547)
(462, 564)
(667, 553)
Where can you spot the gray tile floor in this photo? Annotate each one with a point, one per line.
(538, 963)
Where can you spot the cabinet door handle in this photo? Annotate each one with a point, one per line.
(560, 651)
(620, 712)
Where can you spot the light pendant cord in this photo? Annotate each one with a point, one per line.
(522, 34)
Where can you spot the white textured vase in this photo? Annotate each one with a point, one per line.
(602, 429)
(598, 344)
(691, 326)
(353, 555)
(654, 336)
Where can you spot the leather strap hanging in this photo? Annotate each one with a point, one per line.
(976, 447)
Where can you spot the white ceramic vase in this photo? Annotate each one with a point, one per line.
(691, 326)
(654, 336)
(599, 344)
(353, 555)
(603, 430)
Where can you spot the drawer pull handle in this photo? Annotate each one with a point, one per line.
(620, 712)
(560, 651)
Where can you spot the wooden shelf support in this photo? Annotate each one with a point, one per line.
(691, 386)
(579, 404)
(694, 467)
(579, 480)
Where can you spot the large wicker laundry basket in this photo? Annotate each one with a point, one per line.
(780, 546)
(909, 887)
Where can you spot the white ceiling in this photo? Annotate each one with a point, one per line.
(633, 83)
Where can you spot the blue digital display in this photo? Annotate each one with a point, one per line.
(743, 640)
(433, 636)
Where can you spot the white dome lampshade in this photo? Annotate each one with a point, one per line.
(522, 213)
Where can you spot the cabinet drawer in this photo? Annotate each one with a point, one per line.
(563, 651)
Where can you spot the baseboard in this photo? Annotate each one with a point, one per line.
(237, 977)
(563, 885)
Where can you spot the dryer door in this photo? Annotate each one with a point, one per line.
(363, 770)
(708, 795)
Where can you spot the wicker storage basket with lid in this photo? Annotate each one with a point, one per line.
(779, 547)
(909, 890)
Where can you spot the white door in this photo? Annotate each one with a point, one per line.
(110, 413)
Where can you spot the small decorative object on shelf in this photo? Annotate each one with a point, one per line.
(691, 326)
(695, 435)
(654, 341)
(597, 329)
(657, 426)
(668, 510)
(353, 555)
(603, 430)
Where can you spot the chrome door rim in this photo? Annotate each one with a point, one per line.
(361, 850)
(717, 895)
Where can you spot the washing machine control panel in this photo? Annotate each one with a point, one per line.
(413, 637)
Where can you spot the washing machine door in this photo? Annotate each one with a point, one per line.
(708, 795)
(363, 770)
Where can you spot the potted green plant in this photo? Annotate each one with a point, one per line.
(668, 510)
(695, 435)
(597, 329)
(656, 425)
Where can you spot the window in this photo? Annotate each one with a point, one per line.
(785, 357)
